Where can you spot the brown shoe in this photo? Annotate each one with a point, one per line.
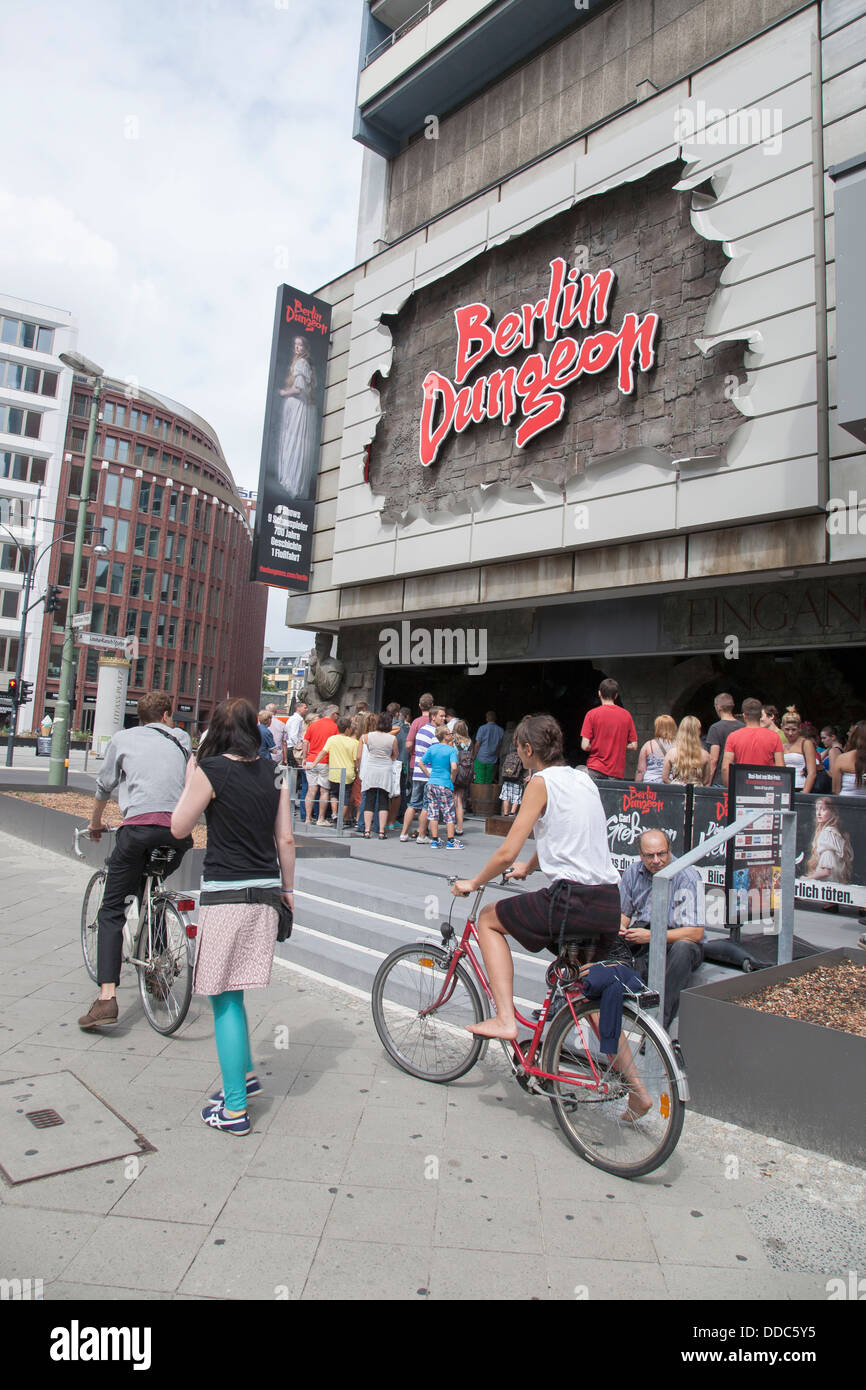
(101, 1014)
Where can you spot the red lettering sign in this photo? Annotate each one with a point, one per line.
(538, 383)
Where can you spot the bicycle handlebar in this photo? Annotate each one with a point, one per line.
(77, 835)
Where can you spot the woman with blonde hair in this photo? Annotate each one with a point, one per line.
(799, 751)
(687, 762)
(651, 759)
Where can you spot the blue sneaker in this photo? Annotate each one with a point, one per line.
(456, 844)
(434, 844)
(254, 1088)
(216, 1117)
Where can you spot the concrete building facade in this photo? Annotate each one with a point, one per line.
(679, 510)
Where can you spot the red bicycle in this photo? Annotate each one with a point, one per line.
(424, 996)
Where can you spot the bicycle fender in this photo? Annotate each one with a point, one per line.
(661, 1037)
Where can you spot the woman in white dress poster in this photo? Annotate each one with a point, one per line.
(831, 854)
(296, 462)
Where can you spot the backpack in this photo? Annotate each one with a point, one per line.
(512, 768)
(465, 769)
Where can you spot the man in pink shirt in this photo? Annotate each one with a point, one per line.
(606, 734)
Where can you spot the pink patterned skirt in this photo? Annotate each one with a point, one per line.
(234, 947)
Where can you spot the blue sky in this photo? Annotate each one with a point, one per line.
(171, 164)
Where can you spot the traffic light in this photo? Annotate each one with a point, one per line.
(25, 692)
(12, 691)
(52, 598)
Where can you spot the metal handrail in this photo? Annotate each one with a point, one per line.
(661, 894)
(402, 29)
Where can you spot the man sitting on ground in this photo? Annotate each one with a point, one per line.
(686, 915)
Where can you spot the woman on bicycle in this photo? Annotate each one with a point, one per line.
(249, 868)
(562, 806)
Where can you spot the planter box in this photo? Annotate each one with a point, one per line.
(53, 830)
(796, 1081)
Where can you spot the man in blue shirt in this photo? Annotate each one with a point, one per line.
(486, 750)
(685, 918)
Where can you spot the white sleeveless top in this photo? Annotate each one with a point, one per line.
(797, 761)
(571, 836)
(849, 788)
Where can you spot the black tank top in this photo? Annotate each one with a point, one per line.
(240, 819)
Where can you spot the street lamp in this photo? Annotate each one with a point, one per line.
(59, 765)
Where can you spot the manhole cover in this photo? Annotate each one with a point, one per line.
(74, 1128)
(43, 1119)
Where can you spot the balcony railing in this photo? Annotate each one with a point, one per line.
(402, 29)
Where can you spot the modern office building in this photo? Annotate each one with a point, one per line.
(34, 398)
(585, 404)
(287, 672)
(177, 575)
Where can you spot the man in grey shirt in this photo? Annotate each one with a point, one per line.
(147, 766)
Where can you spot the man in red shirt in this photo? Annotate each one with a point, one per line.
(754, 745)
(425, 704)
(606, 734)
(317, 736)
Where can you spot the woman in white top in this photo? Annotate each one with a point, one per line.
(651, 759)
(376, 771)
(849, 771)
(799, 751)
(562, 806)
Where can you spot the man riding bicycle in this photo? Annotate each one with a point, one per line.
(148, 767)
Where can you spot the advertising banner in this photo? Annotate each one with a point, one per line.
(753, 869)
(831, 850)
(633, 807)
(283, 537)
(709, 816)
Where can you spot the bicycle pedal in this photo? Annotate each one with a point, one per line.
(647, 999)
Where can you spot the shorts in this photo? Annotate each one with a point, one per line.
(484, 772)
(535, 920)
(318, 776)
(416, 800)
(439, 804)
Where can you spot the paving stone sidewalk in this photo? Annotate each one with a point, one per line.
(358, 1181)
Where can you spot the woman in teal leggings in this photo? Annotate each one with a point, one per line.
(249, 869)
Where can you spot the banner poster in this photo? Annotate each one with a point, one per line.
(709, 816)
(831, 850)
(633, 807)
(283, 537)
(753, 866)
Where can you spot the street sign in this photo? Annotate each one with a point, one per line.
(127, 645)
(81, 619)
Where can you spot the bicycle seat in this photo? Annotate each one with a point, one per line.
(160, 861)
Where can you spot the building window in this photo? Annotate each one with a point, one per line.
(111, 620)
(16, 421)
(169, 545)
(78, 440)
(113, 413)
(144, 497)
(131, 621)
(193, 554)
(160, 629)
(116, 449)
(17, 377)
(153, 543)
(158, 490)
(91, 666)
(97, 617)
(181, 549)
(184, 509)
(163, 591)
(135, 581)
(149, 578)
(101, 580)
(22, 468)
(80, 406)
(169, 674)
(138, 672)
(21, 333)
(157, 675)
(171, 640)
(140, 534)
(112, 486)
(144, 626)
(182, 685)
(11, 599)
(117, 577)
(175, 590)
(172, 505)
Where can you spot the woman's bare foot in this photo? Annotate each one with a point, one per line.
(493, 1028)
(639, 1103)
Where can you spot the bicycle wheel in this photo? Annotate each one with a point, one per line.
(165, 978)
(433, 1046)
(89, 911)
(594, 1120)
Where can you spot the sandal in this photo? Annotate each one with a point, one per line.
(366, 834)
(383, 837)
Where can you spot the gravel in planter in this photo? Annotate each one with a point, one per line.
(80, 805)
(833, 996)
